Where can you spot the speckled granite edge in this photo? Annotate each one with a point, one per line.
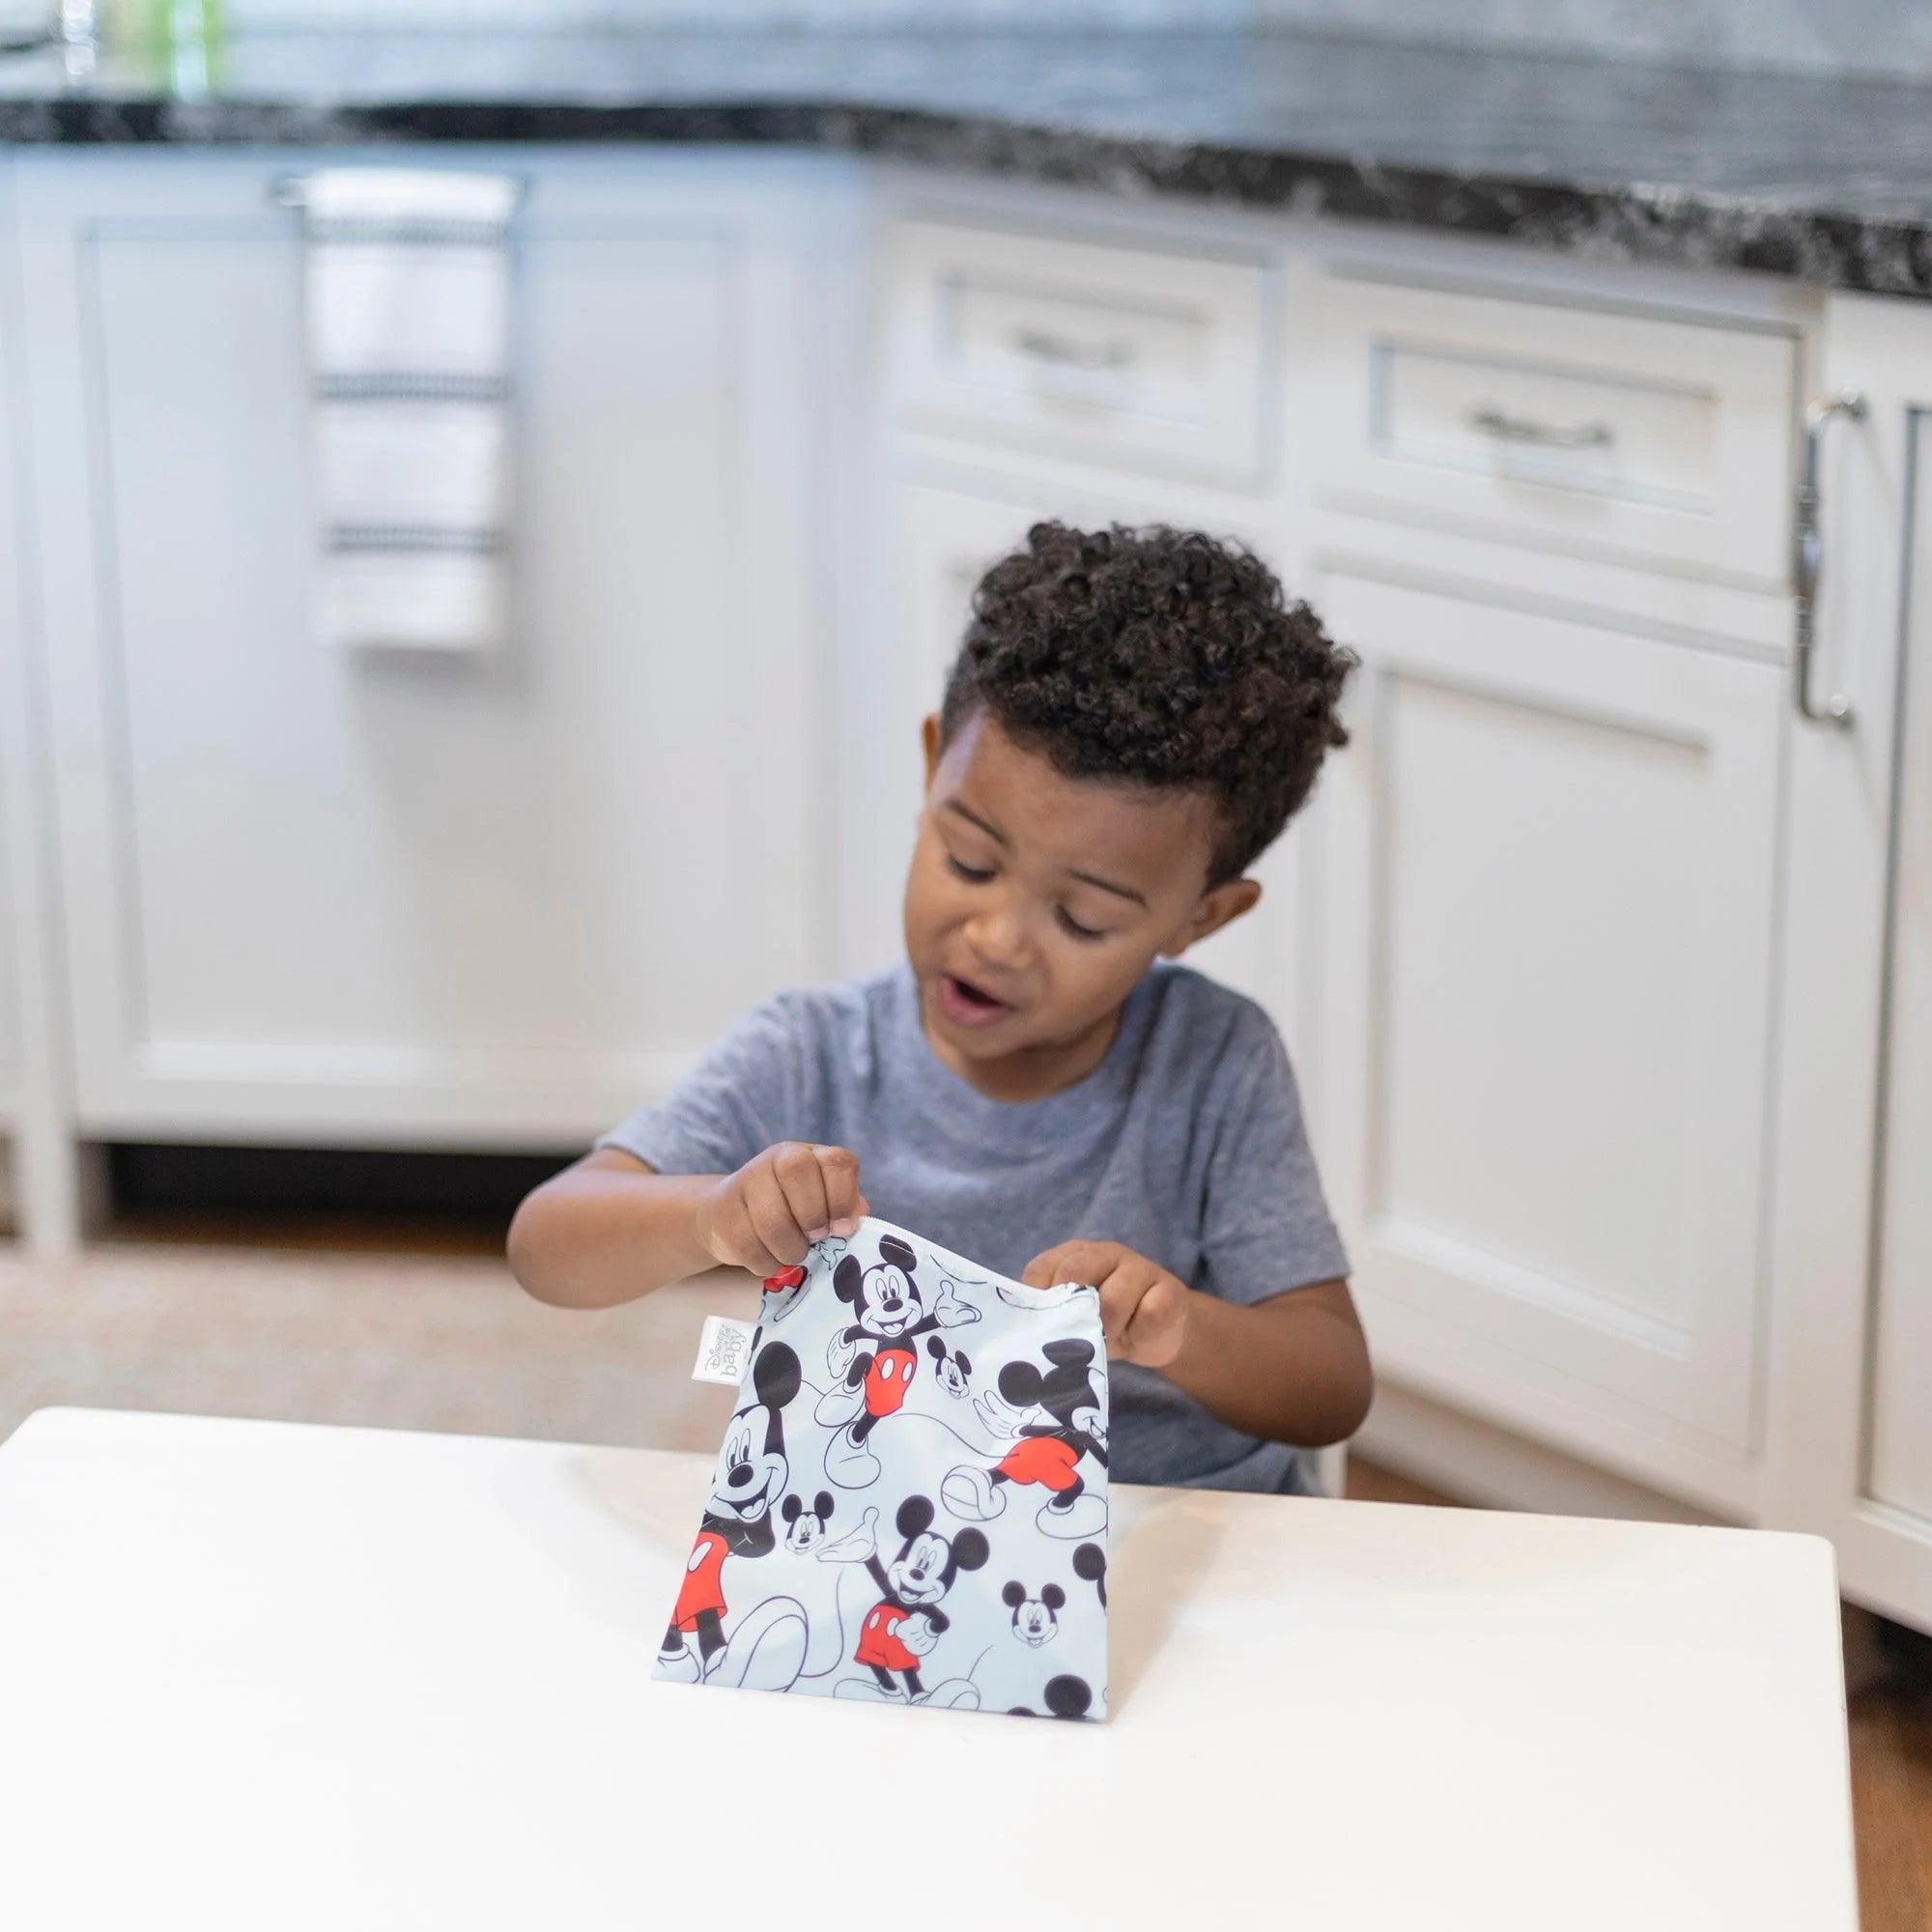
(1679, 226)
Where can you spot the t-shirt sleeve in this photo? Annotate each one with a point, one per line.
(735, 1103)
(1266, 1227)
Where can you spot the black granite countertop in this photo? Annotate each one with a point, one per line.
(1827, 181)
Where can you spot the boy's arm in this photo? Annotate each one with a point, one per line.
(607, 1230)
(1291, 1368)
(611, 1229)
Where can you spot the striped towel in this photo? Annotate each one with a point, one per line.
(408, 318)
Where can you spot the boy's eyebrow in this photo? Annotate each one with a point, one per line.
(994, 833)
(972, 818)
(1108, 886)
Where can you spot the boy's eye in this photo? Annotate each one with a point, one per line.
(975, 875)
(1074, 928)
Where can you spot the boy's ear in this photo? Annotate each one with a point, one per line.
(929, 738)
(1220, 906)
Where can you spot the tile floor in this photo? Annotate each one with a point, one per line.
(340, 1326)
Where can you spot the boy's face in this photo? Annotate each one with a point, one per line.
(1035, 901)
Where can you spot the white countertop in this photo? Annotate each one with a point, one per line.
(262, 1675)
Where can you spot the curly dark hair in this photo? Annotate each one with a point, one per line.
(1157, 656)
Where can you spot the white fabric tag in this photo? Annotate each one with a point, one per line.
(722, 1350)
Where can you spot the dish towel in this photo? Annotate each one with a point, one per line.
(406, 310)
(910, 1505)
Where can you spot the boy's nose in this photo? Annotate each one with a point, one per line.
(998, 937)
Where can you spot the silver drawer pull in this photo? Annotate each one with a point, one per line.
(1488, 421)
(1065, 352)
(1807, 559)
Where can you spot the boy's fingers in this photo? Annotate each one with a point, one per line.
(1088, 1264)
(1039, 1270)
(1152, 1315)
(1119, 1294)
(839, 1178)
(1137, 1304)
(739, 1241)
(802, 1182)
(770, 1217)
(1092, 1264)
(839, 1175)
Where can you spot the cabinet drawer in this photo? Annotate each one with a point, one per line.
(1656, 440)
(1127, 357)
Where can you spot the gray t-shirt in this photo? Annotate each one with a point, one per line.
(1185, 1144)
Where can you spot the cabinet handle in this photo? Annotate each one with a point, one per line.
(1065, 352)
(1488, 420)
(1808, 557)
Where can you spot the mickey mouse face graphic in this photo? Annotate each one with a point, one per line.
(753, 1468)
(1035, 1619)
(928, 1562)
(951, 1365)
(918, 1576)
(886, 1301)
(805, 1528)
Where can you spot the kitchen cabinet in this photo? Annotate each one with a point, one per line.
(1128, 354)
(1553, 523)
(1579, 428)
(320, 893)
(1526, 942)
(41, 1167)
(13, 856)
(15, 742)
(1548, 960)
(1901, 1314)
(1606, 972)
(1852, 1355)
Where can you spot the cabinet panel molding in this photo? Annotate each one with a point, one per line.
(1548, 928)
(496, 872)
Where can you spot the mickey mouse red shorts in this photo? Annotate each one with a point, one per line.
(703, 1586)
(1041, 1460)
(879, 1642)
(887, 1379)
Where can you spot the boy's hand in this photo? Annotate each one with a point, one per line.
(766, 1216)
(1143, 1308)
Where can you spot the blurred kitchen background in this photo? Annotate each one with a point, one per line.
(1573, 359)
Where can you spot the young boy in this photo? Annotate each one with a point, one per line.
(1132, 718)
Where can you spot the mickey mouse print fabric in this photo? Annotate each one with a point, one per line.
(910, 1505)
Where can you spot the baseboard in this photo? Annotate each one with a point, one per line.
(1477, 1463)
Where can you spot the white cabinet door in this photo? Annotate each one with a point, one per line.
(944, 536)
(1851, 1362)
(11, 1078)
(1901, 1355)
(1548, 948)
(316, 892)
(14, 719)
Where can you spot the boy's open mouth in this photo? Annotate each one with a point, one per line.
(967, 1004)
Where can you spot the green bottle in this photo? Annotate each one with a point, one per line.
(178, 41)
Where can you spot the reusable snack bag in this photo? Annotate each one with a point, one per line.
(910, 1505)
